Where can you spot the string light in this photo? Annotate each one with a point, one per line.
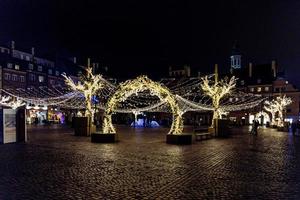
(135, 86)
(14, 104)
(90, 85)
(216, 91)
(278, 106)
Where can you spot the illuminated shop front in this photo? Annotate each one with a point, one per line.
(36, 114)
(56, 116)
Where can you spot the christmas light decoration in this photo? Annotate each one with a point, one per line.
(14, 104)
(90, 85)
(136, 86)
(270, 106)
(216, 91)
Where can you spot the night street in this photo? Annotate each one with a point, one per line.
(54, 164)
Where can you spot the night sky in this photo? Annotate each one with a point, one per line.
(145, 37)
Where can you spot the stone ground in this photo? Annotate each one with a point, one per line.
(54, 164)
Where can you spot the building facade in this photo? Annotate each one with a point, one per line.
(28, 73)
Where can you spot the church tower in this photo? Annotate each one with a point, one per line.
(235, 58)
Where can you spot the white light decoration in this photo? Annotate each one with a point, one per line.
(187, 92)
(14, 104)
(140, 84)
(90, 85)
(270, 106)
(281, 103)
(216, 91)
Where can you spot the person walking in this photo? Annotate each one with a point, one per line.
(252, 132)
(256, 126)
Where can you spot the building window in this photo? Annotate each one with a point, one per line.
(14, 77)
(30, 66)
(40, 68)
(17, 67)
(242, 82)
(251, 89)
(7, 76)
(2, 50)
(9, 65)
(267, 89)
(41, 79)
(27, 58)
(22, 79)
(32, 77)
(22, 56)
(276, 89)
(57, 73)
(259, 89)
(49, 71)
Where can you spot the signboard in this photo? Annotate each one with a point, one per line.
(9, 126)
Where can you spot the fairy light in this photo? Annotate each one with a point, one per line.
(135, 86)
(270, 106)
(14, 104)
(90, 85)
(216, 91)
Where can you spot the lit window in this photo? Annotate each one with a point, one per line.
(266, 89)
(259, 89)
(49, 71)
(41, 79)
(30, 66)
(17, 67)
(22, 79)
(57, 73)
(7, 76)
(242, 82)
(9, 65)
(22, 57)
(40, 68)
(251, 89)
(14, 77)
(27, 58)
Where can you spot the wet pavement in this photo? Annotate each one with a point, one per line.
(54, 164)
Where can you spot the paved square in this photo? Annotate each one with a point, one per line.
(54, 164)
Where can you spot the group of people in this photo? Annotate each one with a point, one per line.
(255, 124)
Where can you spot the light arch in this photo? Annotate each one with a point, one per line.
(134, 86)
(265, 115)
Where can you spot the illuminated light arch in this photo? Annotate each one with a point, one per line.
(134, 86)
(265, 115)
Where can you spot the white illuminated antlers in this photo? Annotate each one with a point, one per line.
(14, 104)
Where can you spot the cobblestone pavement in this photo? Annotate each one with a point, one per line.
(54, 164)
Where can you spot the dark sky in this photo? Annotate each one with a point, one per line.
(135, 37)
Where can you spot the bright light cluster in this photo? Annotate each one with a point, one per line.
(216, 91)
(88, 86)
(278, 106)
(140, 84)
(14, 104)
